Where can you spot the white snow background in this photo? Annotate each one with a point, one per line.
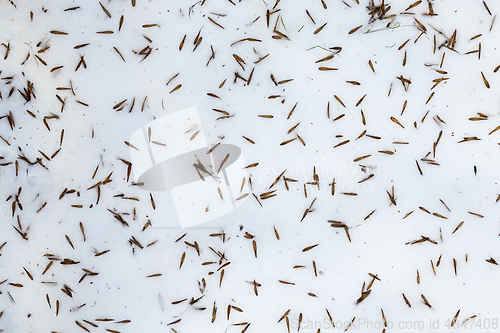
(139, 280)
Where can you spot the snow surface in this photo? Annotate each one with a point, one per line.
(458, 182)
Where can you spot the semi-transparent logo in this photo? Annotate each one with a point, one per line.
(171, 154)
